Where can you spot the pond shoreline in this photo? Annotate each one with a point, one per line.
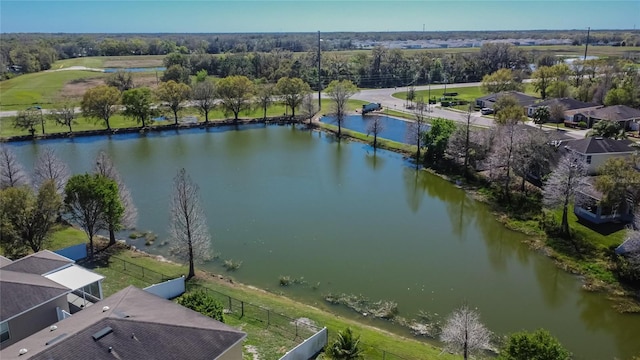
(623, 300)
(280, 120)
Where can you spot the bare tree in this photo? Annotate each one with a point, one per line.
(502, 156)
(309, 107)
(105, 167)
(188, 229)
(204, 96)
(375, 127)
(532, 157)
(64, 115)
(264, 98)
(12, 173)
(340, 92)
(416, 129)
(464, 333)
(563, 184)
(49, 167)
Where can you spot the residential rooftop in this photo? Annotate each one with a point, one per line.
(130, 324)
(598, 145)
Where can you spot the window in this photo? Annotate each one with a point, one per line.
(588, 159)
(4, 332)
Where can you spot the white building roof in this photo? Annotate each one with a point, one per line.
(74, 277)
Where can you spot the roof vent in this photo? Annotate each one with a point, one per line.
(102, 333)
(599, 138)
(53, 327)
(105, 308)
(56, 339)
(23, 351)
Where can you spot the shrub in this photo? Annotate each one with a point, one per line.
(202, 302)
(582, 125)
(231, 265)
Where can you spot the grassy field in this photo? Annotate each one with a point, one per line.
(464, 93)
(42, 88)
(111, 61)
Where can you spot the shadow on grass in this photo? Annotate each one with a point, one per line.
(602, 229)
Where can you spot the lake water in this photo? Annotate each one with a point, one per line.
(288, 201)
(393, 128)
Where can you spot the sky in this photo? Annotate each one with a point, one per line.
(213, 16)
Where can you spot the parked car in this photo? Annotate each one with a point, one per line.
(486, 111)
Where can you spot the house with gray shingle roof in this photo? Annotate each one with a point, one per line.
(566, 103)
(132, 324)
(595, 151)
(40, 289)
(627, 117)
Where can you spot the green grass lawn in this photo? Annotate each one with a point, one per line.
(41, 88)
(90, 62)
(120, 121)
(470, 93)
(65, 236)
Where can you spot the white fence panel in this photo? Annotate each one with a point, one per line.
(309, 347)
(168, 289)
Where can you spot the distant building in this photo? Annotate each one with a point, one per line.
(490, 100)
(567, 103)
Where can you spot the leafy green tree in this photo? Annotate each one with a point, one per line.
(176, 73)
(292, 91)
(100, 103)
(174, 94)
(27, 120)
(137, 104)
(619, 183)
(204, 303)
(340, 92)
(619, 96)
(345, 347)
(92, 202)
(501, 80)
(201, 75)
(437, 137)
(607, 129)
(541, 115)
(538, 345)
(204, 95)
(27, 218)
(508, 110)
(235, 92)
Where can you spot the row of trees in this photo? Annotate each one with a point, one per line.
(76, 45)
(31, 206)
(233, 94)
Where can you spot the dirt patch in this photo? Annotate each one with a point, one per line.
(146, 80)
(253, 351)
(133, 62)
(75, 89)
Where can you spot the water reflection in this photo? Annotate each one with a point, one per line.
(414, 185)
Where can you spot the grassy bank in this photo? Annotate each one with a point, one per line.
(41, 88)
(269, 343)
(119, 121)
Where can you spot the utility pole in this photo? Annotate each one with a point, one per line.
(319, 76)
(587, 44)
